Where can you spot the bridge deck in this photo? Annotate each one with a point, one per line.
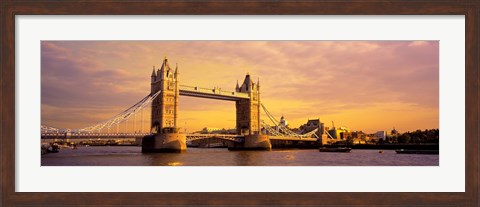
(92, 135)
(230, 137)
(190, 137)
(214, 93)
(292, 138)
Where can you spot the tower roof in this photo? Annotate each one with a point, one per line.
(247, 82)
(153, 71)
(165, 65)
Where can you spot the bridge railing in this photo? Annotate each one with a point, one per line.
(290, 138)
(230, 137)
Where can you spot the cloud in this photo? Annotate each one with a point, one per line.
(298, 78)
(418, 43)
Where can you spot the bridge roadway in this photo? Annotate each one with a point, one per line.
(215, 93)
(190, 137)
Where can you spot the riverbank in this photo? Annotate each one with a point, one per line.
(396, 146)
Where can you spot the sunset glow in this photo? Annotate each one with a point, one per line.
(363, 85)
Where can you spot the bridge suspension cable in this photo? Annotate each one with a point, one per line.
(274, 132)
(274, 121)
(282, 130)
(123, 116)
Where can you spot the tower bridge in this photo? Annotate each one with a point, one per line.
(165, 92)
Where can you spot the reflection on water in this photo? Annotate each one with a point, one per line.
(132, 156)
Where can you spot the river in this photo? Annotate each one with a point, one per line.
(132, 156)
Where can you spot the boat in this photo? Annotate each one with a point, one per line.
(338, 149)
(54, 148)
(402, 151)
(126, 144)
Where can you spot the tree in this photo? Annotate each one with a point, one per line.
(404, 138)
(380, 141)
(349, 140)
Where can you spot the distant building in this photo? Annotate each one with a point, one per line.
(212, 130)
(224, 131)
(394, 132)
(283, 122)
(360, 137)
(311, 124)
(208, 130)
(381, 135)
(340, 133)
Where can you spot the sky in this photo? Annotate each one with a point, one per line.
(362, 85)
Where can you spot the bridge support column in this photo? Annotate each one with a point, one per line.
(258, 141)
(253, 142)
(165, 142)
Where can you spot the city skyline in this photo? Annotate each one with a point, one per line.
(362, 85)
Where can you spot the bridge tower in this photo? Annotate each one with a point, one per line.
(248, 116)
(248, 110)
(165, 106)
(167, 136)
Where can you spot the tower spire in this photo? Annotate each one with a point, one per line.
(164, 64)
(153, 71)
(153, 76)
(176, 70)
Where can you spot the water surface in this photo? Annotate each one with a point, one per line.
(132, 156)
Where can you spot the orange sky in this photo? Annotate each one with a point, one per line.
(362, 85)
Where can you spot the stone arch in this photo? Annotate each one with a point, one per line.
(155, 127)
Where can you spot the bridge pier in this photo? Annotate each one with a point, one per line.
(165, 142)
(253, 142)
